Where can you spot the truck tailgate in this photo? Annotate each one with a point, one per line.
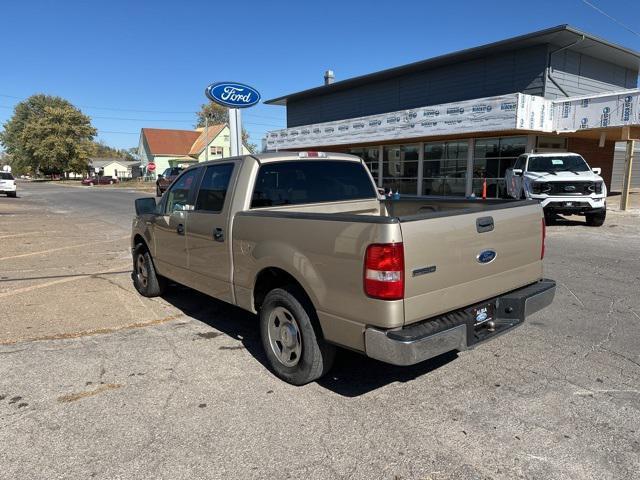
(442, 269)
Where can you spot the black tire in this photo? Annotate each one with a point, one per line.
(158, 191)
(12, 194)
(595, 219)
(147, 282)
(316, 356)
(549, 218)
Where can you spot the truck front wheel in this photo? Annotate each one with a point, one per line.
(291, 337)
(595, 219)
(147, 282)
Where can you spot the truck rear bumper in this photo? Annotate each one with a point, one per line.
(457, 330)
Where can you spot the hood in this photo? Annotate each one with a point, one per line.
(563, 176)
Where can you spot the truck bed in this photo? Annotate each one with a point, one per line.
(441, 236)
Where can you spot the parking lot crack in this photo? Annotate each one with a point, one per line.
(573, 294)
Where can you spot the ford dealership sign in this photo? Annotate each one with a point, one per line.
(232, 94)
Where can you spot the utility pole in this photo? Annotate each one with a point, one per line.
(628, 168)
(206, 137)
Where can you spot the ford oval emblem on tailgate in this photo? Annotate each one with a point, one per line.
(486, 256)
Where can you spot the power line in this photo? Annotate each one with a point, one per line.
(123, 133)
(148, 111)
(166, 120)
(610, 17)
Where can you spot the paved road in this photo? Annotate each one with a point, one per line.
(189, 396)
(110, 204)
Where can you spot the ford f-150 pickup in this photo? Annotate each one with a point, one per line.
(563, 183)
(305, 241)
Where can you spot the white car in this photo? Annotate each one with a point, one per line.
(7, 184)
(562, 182)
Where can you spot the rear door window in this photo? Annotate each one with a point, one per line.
(213, 188)
(6, 176)
(311, 181)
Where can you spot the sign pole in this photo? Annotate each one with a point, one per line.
(235, 126)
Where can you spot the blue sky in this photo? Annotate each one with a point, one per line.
(134, 64)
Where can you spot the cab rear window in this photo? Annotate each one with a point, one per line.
(312, 181)
(6, 176)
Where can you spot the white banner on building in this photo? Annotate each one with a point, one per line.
(516, 111)
(534, 113)
(597, 111)
(480, 115)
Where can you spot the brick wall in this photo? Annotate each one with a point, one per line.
(595, 155)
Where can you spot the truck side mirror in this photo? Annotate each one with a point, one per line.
(145, 205)
(597, 170)
(517, 172)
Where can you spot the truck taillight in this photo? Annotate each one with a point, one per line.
(544, 236)
(384, 271)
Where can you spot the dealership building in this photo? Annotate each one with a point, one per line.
(445, 125)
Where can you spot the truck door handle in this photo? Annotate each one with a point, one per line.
(218, 235)
(484, 224)
(180, 229)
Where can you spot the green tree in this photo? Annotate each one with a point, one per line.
(47, 134)
(218, 114)
(103, 150)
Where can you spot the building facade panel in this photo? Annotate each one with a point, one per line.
(579, 74)
(508, 72)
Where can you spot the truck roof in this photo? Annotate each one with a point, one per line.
(288, 156)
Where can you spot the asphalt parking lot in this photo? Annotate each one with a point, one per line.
(98, 382)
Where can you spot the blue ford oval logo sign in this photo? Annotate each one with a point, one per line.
(232, 95)
(486, 256)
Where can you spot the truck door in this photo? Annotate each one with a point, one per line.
(208, 237)
(170, 227)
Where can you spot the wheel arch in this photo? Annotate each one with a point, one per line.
(139, 239)
(270, 278)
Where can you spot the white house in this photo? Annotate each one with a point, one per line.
(114, 167)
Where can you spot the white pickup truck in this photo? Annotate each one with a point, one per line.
(562, 182)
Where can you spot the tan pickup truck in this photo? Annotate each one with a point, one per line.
(305, 241)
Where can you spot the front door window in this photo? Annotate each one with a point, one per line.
(179, 193)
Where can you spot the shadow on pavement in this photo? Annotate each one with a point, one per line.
(70, 275)
(352, 375)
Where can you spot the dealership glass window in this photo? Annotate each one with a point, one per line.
(491, 158)
(551, 143)
(400, 168)
(371, 158)
(444, 168)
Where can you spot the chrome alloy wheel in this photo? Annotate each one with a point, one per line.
(141, 271)
(284, 337)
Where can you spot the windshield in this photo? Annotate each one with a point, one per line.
(5, 176)
(561, 163)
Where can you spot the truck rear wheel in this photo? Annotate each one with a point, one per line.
(147, 282)
(595, 219)
(292, 339)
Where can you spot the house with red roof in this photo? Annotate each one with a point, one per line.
(173, 148)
